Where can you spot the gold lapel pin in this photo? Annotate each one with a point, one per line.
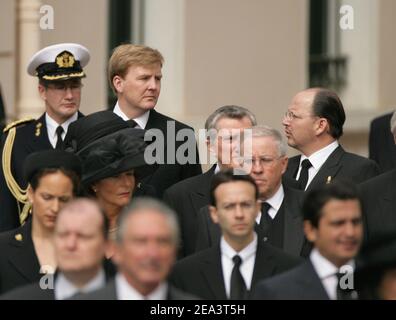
(18, 237)
(328, 180)
(38, 129)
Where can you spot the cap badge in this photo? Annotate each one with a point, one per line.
(65, 60)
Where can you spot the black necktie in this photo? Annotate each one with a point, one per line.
(265, 220)
(344, 293)
(238, 287)
(59, 141)
(132, 123)
(303, 179)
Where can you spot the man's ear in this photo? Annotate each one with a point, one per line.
(213, 214)
(310, 231)
(322, 126)
(42, 92)
(118, 83)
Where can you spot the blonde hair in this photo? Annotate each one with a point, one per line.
(127, 55)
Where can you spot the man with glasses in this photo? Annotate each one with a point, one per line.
(59, 69)
(279, 221)
(313, 124)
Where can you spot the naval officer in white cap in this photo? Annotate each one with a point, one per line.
(59, 69)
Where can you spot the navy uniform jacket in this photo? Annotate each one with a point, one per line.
(31, 136)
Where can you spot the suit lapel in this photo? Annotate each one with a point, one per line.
(23, 257)
(199, 197)
(292, 167)
(329, 169)
(264, 265)
(387, 202)
(293, 237)
(213, 273)
(309, 279)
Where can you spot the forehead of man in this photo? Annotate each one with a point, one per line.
(264, 146)
(147, 223)
(233, 123)
(337, 210)
(235, 191)
(303, 100)
(84, 218)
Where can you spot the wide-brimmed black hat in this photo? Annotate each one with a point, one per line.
(107, 146)
(49, 159)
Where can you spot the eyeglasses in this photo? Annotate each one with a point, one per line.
(262, 161)
(65, 86)
(290, 115)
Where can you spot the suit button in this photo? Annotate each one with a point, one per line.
(265, 238)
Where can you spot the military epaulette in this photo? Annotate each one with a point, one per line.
(16, 123)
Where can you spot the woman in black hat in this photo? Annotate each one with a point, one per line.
(112, 155)
(28, 252)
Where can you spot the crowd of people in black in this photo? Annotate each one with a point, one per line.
(114, 206)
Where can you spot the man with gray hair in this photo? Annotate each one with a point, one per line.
(224, 127)
(145, 251)
(379, 199)
(280, 221)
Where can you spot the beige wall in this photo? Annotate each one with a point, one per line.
(250, 53)
(387, 55)
(84, 22)
(247, 52)
(7, 53)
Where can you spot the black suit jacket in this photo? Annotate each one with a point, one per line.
(187, 197)
(168, 174)
(109, 292)
(300, 283)
(34, 292)
(201, 274)
(294, 241)
(339, 164)
(30, 137)
(19, 264)
(382, 148)
(379, 204)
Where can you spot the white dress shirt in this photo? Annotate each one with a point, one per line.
(317, 159)
(248, 256)
(327, 272)
(52, 125)
(141, 121)
(275, 201)
(64, 289)
(125, 291)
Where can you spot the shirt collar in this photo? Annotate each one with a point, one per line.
(245, 253)
(319, 157)
(65, 289)
(52, 124)
(126, 292)
(276, 200)
(141, 121)
(323, 267)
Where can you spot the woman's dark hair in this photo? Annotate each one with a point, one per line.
(35, 180)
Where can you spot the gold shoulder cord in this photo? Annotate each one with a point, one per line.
(18, 193)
